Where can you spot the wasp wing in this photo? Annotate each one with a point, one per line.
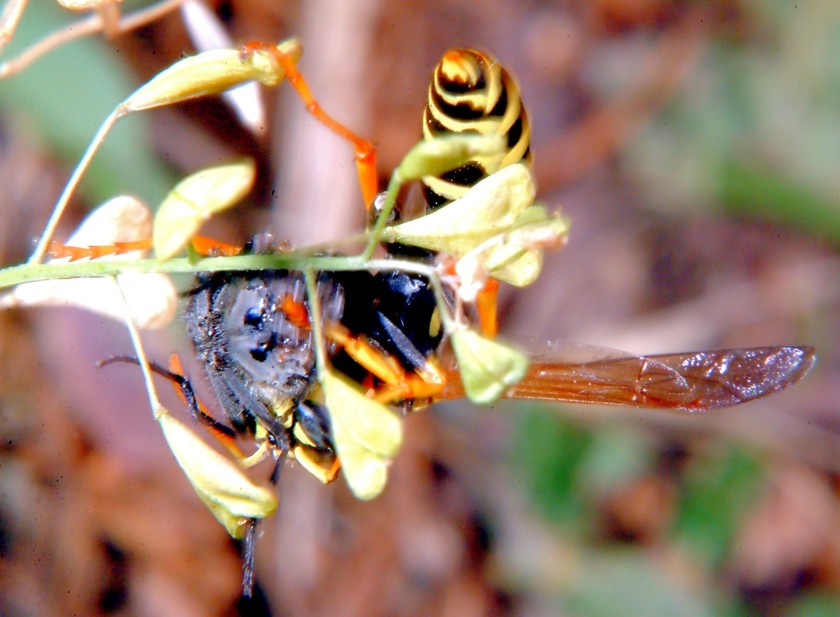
(695, 381)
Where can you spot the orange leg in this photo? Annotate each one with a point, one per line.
(399, 383)
(59, 250)
(377, 363)
(412, 386)
(486, 304)
(202, 245)
(207, 246)
(365, 150)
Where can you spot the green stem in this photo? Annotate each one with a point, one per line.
(293, 260)
(28, 273)
(394, 186)
(143, 360)
(315, 320)
(70, 187)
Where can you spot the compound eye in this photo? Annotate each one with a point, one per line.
(253, 317)
(259, 353)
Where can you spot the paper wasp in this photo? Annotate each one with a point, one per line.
(316, 358)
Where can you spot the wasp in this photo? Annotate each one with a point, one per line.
(276, 344)
(252, 330)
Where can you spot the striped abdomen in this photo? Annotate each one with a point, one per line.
(471, 92)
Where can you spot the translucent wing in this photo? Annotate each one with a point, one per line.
(694, 381)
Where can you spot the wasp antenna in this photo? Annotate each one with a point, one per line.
(221, 430)
(125, 359)
(249, 542)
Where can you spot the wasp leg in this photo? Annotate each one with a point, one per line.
(365, 150)
(399, 384)
(313, 447)
(202, 245)
(486, 304)
(208, 246)
(425, 381)
(223, 433)
(58, 250)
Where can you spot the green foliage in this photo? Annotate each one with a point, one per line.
(548, 451)
(66, 95)
(755, 128)
(617, 455)
(815, 605)
(746, 189)
(567, 466)
(715, 494)
(626, 582)
(568, 470)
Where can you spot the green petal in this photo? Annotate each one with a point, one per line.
(433, 157)
(229, 494)
(490, 208)
(194, 200)
(487, 368)
(210, 72)
(367, 435)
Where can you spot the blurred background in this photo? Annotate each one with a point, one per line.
(696, 148)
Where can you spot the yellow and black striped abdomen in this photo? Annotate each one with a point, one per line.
(471, 92)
